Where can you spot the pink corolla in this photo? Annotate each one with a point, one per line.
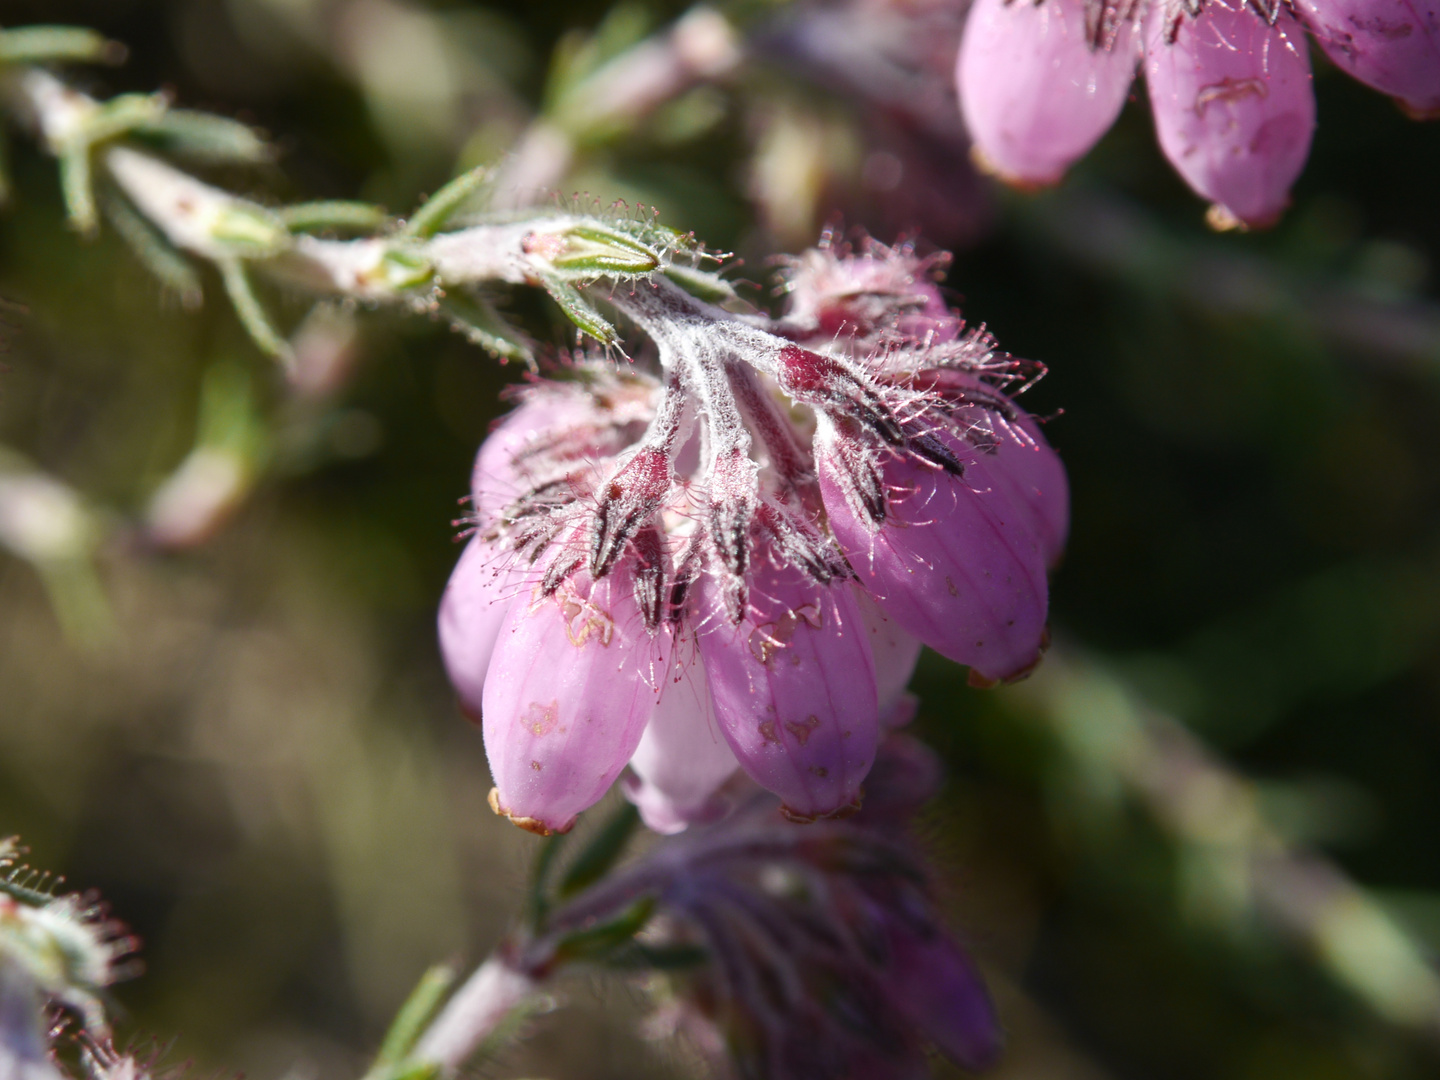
(1229, 84)
(726, 561)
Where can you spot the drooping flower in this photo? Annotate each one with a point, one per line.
(1229, 83)
(1392, 45)
(730, 555)
(814, 954)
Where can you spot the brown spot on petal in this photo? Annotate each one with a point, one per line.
(1228, 91)
(768, 638)
(800, 818)
(951, 586)
(539, 719)
(820, 770)
(981, 682)
(803, 729)
(767, 731)
(536, 766)
(583, 619)
(529, 824)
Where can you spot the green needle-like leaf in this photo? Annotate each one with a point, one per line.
(422, 1004)
(333, 214)
(47, 44)
(702, 284)
(579, 310)
(481, 324)
(442, 206)
(205, 137)
(252, 314)
(591, 249)
(596, 942)
(151, 248)
(599, 855)
(76, 188)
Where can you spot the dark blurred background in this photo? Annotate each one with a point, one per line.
(1201, 842)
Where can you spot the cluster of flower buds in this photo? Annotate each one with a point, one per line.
(729, 553)
(1229, 83)
(812, 953)
(53, 950)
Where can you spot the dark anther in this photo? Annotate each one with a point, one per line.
(630, 500)
(649, 576)
(557, 573)
(933, 450)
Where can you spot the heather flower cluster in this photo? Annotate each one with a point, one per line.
(814, 953)
(727, 555)
(1229, 83)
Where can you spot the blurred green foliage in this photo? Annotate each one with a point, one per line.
(258, 761)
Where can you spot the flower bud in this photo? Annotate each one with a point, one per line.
(1392, 45)
(482, 588)
(1234, 110)
(683, 758)
(573, 681)
(1036, 91)
(951, 560)
(794, 687)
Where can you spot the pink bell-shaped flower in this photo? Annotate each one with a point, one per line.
(895, 651)
(794, 688)
(1392, 45)
(1038, 86)
(479, 595)
(683, 758)
(678, 569)
(574, 679)
(953, 561)
(1019, 462)
(1233, 105)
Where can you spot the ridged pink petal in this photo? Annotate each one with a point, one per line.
(896, 652)
(1035, 94)
(1234, 108)
(955, 563)
(682, 757)
(573, 682)
(794, 688)
(477, 598)
(1392, 45)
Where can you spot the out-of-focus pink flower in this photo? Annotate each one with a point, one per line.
(827, 957)
(692, 575)
(1035, 95)
(1234, 110)
(1392, 45)
(24, 1050)
(1229, 83)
